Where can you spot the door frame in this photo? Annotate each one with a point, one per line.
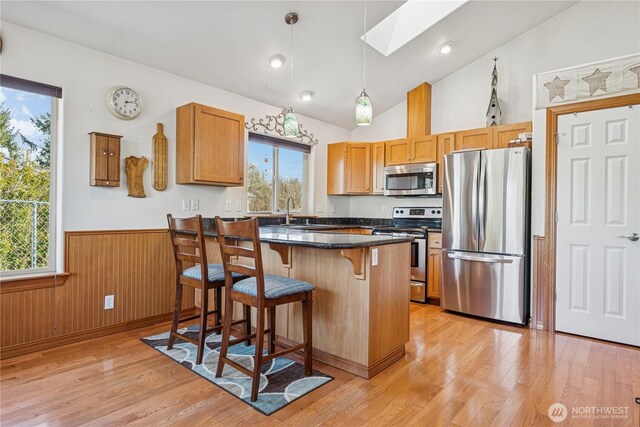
(546, 292)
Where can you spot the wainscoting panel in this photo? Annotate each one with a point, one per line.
(136, 266)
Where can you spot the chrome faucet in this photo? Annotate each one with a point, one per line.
(287, 219)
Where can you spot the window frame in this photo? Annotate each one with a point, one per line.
(55, 93)
(276, 144)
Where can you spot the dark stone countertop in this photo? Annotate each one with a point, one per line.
(320, 240)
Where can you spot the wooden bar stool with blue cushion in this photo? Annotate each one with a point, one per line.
(187, 239)
(260, 291)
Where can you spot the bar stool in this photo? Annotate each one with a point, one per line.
(260, 291)
(187, 240)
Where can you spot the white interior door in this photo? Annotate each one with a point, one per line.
(598, 259)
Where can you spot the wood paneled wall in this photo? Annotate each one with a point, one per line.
(136, 266)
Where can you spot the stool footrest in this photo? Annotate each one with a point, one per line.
(283, 352)
(238, 367)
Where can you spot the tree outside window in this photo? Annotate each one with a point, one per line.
(276, 171)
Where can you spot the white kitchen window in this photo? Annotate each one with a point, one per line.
(28, 131)
(277, 170)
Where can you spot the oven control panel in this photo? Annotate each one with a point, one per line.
(418, 213)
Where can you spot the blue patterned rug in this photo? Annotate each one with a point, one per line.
(281, 382)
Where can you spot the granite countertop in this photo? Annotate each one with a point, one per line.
(321, 240)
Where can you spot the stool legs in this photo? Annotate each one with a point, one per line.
(217, 292)
(226, 334)
(307, 305)
(176, 316)
(247, 325)
(272, 329)
(202, 335)
(257, 367)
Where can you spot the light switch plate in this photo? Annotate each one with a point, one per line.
(319, 208)
(238, 205)
(186, 205)
(227, 205)
(195, 204)
(374, 256)
(333, 208)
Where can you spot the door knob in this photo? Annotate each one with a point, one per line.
(633, 237)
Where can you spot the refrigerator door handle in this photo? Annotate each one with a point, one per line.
(480, 259)
(482, 200)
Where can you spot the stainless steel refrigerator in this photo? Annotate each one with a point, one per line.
(485, 233)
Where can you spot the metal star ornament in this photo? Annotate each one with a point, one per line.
(556, 88)
(597, 81)
(636, 70)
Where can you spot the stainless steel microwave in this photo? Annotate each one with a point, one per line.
(411, 180)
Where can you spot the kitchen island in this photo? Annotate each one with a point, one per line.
(361, 301)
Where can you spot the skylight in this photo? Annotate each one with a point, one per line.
(407, 22)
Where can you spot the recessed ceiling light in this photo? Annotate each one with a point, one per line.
(276, 61)
(306, 95)
(445, 48)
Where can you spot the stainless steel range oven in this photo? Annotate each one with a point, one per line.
(415, 222)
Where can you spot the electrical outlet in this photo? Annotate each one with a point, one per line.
(384, 209)
(195, 204)
(186, 205)
(109, 302)
(238, 205)
(333, 208)
(227, 205)
(374, 256)
(319, 208)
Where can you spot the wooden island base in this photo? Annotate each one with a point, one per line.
(360, 310)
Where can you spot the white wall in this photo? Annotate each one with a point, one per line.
(85, 76)
(587, 32)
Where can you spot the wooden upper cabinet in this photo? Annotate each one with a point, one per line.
(424, 149)
(476, 139)
(348, 168)
(419, 111)
(209, 146)
(445, 145)
(396, 152)
(104, 160)
(377, 168)
(505, 133)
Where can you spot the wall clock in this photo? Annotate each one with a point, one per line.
(124, 103)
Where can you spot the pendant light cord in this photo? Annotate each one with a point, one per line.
(291, 73)
(364, 49)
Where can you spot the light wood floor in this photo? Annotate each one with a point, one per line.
(458, 371)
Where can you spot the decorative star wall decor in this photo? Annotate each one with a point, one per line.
(637, 71)
(556, 88)
(609, 77)
(597, 80)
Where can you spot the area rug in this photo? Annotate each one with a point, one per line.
(282, 380)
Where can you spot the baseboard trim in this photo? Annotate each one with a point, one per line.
(58, 341)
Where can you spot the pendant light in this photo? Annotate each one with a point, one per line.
(364, 110)
(290, 120)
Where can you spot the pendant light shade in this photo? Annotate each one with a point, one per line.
(290, 124)
(364, 110)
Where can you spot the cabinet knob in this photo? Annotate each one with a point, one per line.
(111, 154)
(104, 152)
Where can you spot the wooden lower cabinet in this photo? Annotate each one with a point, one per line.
(433, 265)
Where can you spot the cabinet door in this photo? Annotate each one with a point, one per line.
(445, 145)
(113, 159)
(377, 168)
(433, 287)
(218, 146)
(101, 158)
(358, 168)
(505, 133)
(396, 152)
(474, 139)
(424, 149)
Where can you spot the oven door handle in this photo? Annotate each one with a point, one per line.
(480, 259)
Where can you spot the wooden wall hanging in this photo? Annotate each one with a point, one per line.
(160, 159)
(135, 167)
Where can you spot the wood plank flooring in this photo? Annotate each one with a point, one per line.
(458, 371)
